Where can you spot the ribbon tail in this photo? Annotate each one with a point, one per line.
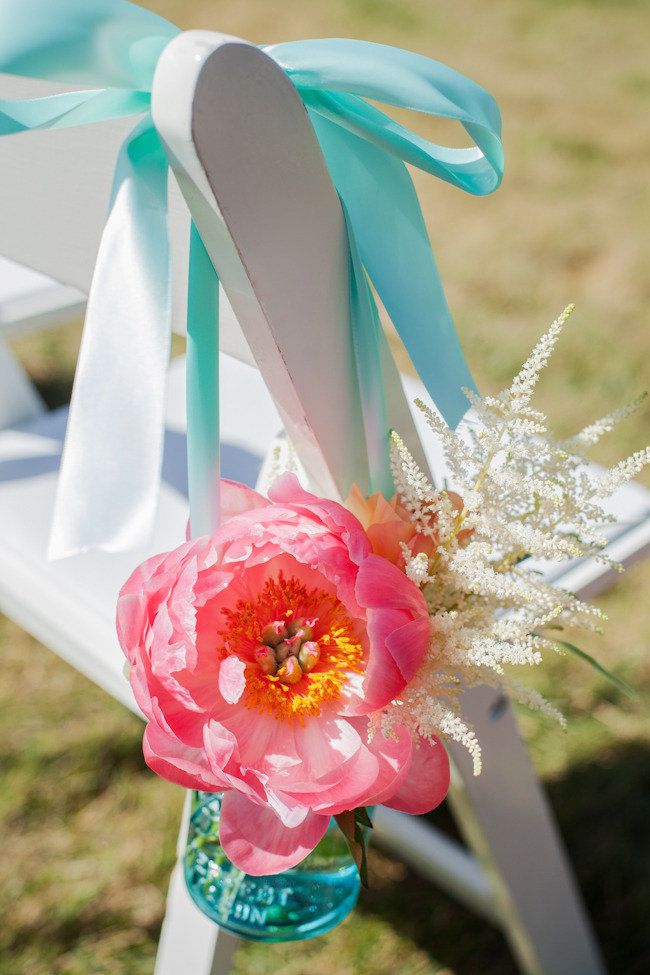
(367, 338)
(202, 389)
(384, 211)
(110, 469)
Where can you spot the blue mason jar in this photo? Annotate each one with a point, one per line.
(303, 902)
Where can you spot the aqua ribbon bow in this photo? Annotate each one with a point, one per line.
(112, 458)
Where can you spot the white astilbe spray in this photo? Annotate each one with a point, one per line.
(280, 459)
(525, 496)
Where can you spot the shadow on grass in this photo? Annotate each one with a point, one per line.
(603, 811)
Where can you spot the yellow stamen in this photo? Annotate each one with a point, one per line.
(294, 691)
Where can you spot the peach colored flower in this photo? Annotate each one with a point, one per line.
(388, 525)
(257, 655)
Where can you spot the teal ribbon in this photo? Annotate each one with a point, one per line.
(113, 46)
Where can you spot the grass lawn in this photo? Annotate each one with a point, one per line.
(88, 833)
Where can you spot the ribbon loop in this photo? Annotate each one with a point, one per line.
(335, 75)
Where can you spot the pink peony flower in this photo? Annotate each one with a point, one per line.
(257, 655)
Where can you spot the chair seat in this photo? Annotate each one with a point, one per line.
(29, 299)
(70, 604)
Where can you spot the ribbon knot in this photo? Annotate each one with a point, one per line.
(111, 464)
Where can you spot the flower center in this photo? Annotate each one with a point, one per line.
(298, 645)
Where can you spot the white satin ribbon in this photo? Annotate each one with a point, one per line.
(108, 484)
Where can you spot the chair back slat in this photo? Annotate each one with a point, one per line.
(251, 170)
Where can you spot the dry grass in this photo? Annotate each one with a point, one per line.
(88, 832)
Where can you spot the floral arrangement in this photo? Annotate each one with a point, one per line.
(307, 658)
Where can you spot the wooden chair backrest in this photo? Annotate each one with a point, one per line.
(251, 170)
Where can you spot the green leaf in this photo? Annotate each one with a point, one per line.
(353, 824)
(612, 678)
(360, 840)
(362, 817)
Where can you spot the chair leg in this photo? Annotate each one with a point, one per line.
(189, 942)
(433, 855)
(506, 818)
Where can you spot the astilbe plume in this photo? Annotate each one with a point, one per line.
(526, 497)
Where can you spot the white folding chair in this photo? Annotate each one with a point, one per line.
(204, 82)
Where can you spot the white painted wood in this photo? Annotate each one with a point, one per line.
(250, 189)
(504, 813)
(499, 810)
(505, 817)
(55, 188)
(19, 401)
(70, 605)
(436, 857)
(29, 300)
(189, 941)
(262, 198)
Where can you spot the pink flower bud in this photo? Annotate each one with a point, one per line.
(265, 659)
(309, 656)
(301, 630)
(290, 671)
(274, 633)
(294, 643)
(282, 651)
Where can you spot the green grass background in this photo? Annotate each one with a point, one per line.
(87, 832)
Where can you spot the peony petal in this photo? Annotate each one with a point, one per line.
(176, 762)
(394, 756)
(383, 680)
(392, 759)
(263, 742)
(408, 644)
(346, 768)
(290, 810)
(399, 628)
(235, 498)
(427, 781)
(360, 506)
(287, 490)
(220, 745)
(256, 840)
(324, 743)
(380, 584)
(222, 755)
(232, 680)
(131, 617)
